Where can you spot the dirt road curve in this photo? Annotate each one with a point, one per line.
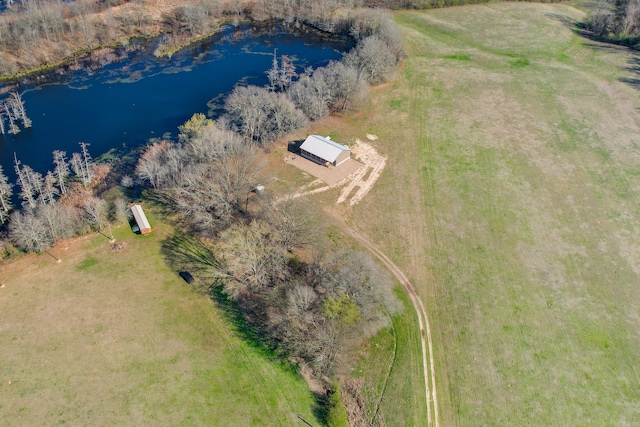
(425, 330)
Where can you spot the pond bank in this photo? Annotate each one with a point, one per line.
(122, 97)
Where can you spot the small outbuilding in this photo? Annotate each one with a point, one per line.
(324, 151)
(141, 220)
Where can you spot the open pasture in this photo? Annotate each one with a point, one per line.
(117, 338)
(511, 198)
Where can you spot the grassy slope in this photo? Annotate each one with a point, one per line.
(106, 338)
(405, 381)
(511, 198)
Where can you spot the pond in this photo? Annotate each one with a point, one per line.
(123, 104)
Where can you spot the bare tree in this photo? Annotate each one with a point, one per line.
(82, 164)
(287, 72)
(245, 111)
(28, 232)
(209, 193)
(250, 260)
(294, 221)
(17, 106)
(61, 170)
(311, 95)
(273, 73)
(379, 23)
(13, 127)
(59, 220)
(120, 211)
(95, 210)
(343, 85)
(126, 181)
(301, 299)
(2, 129)
(88, 163)
(5, 197)
(281, 74)
(78, 167)
(30, 183)
(261, 116)
(49, 191)
(150, 166)
(210, 143)
(372, 58)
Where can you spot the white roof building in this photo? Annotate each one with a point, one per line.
(322, 150)
(141, 219)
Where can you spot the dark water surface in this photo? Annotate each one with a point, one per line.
(123, 104)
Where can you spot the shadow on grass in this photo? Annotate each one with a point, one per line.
(160, 201)
(257, 338)
(634, 83)
(321, 408)
(565, 20)
(633, 66)
(610, 45)
(250, 333)
(604, 43)
(183, 252)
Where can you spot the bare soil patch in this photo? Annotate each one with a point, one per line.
(357, 176)
(329, 175)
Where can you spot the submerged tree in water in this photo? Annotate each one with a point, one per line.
(82, 164)
(13, 127)
(12, 111)
(30, 183)
(2, 129)
(61, 170)
(17, 106)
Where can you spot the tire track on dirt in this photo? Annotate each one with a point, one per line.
(423, 320)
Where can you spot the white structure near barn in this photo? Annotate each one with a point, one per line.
(141, 220)
(324, 151)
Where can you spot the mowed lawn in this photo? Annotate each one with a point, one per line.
(117, 338)
(512, 199)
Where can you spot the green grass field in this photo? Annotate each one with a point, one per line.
(117, 338)
(512, 200)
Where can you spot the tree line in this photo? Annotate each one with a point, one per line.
(291, 100)
(40, 32)
(307, 307)
(57, 205)
(617, 21)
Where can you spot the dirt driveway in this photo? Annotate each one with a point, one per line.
(330, 176)
(352, 174)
